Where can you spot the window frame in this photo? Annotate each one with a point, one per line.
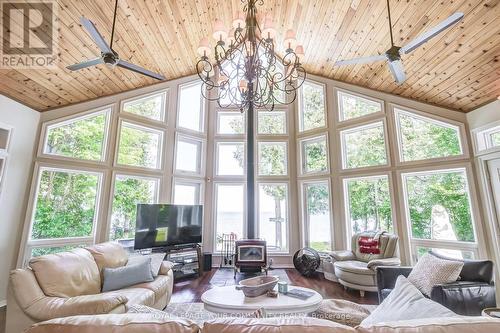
(346, 200)
(276, 110)
(287, 154)
(216, 161)
(127, 174)
(164, 104)
(445, 244)
(301, 152)
(482, 140)
(304, 216)
(340, 117)
(426, 117)
(27, 243)
(215, 210)
(203, 109)
(299, 117)
(286, 183)
(220, 112)
(142, 127)
(359, 127)
(200, 162)
(190, 182)
(108, 110)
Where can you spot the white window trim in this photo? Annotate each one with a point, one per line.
(216, 162)
(282, 112)
(141, 127)
(304, 220)
(340, 116)
(358, 128)
(273, 143)
(301, 150)
(482, 141)
(200, 165)
(107, 110)
(215, 211)
(347, 210)
(232, 113)
(133, 175)
(139, 98)
(287, 211)
(300, 130)
(472, 207)
(203, 109)
(190, 182)
(27, 242)
(447, 123)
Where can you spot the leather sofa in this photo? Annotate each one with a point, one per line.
(356, 270)
(145, 323)
(69, 283)
(468, 296)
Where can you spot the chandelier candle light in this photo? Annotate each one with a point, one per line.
(247, 73)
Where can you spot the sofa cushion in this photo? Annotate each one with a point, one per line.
(67, 274)
(139, 296)
(126, 276)
(356, 272)
(159, 286)
(406, 302)
(431, 271)
(108, 255)
(435, 325)
(115, 323)
(275, 325)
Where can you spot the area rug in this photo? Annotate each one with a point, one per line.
(225, 276)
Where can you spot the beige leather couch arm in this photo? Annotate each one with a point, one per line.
(166, 266)
(373, 264)
(342, 255)
(34, 303)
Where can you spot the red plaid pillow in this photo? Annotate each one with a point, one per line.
(368, 245)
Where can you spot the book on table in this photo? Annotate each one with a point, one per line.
(300, 294)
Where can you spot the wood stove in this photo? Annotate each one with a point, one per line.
(250, 256)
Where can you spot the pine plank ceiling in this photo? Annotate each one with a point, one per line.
(459, 69)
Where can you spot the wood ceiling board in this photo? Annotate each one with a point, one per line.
(458, 69)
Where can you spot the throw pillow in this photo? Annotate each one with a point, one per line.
(431, 271)
(342, 312)
(406, 302)
(126, 276)
(156, 261)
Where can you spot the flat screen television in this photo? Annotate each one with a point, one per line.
(165, 225)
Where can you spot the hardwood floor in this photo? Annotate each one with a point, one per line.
(190, 291)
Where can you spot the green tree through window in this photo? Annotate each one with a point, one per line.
(65, 205)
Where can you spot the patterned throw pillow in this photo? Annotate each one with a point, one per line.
(431, 271)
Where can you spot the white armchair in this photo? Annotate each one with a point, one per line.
(357, 270)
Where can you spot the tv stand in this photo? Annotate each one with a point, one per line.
(187, 260)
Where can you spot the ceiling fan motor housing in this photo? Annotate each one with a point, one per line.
(110, 59)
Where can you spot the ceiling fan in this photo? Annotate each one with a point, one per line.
(108, 55)
(393, 55)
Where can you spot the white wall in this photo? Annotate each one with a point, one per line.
(484, 115)
(24, 122)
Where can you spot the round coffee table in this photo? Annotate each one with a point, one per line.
(229, 300)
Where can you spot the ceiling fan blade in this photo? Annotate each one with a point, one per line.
(423, 38)
(397, 71)
(96, 36)
(85, 64)
(139, 70)
(361, 60)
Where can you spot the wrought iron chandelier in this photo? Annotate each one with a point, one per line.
(249, 72)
